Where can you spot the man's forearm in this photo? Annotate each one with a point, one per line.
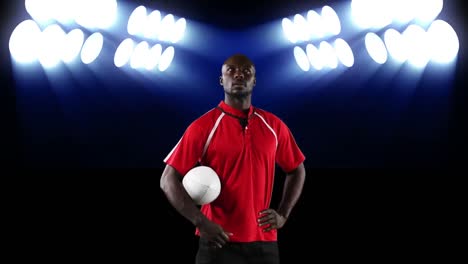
(180, 200)
(292, 190)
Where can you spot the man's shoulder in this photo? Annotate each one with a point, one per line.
(268, 116)
(207, 118)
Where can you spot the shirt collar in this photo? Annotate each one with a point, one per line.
(236, 112)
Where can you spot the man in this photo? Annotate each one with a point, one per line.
(242, 144)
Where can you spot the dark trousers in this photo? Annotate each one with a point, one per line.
(238, 253)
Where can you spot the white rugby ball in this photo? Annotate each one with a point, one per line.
(202, 184)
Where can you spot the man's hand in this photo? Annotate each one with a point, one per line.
(271, 220)
(213, 232)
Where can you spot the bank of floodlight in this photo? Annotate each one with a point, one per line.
(438, 44)
(86, 13)
(380, 13)
(49, 47)
(313, 26)
(142, 55)
(155, 26)
(326, 55)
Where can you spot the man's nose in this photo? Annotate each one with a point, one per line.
(238, 75)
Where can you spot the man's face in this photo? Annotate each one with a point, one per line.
(238, 77)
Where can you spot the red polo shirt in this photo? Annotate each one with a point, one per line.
(244, 159)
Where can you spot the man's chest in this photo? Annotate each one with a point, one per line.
(231, 141)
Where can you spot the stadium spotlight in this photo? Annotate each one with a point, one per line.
(92, 48)
(301, 58)
(376, 48)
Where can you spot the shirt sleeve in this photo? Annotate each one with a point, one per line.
(288, 155)
(186, 153)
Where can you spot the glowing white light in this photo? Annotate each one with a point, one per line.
(361, 16)
(428, 9)
(376, 48)
(315, 59)
(404, 11)
(64, 12)
(139, 55)
(23, 41)
(289, 30)
(301, 59)
(328, 55)
(72, 45)
(40, 11)
(167, 26)
(396, 45)
(372, 13)
(51, 46)
(153, 25)
(344, 52)
(109, 13)
(443, 42)
(417, 45)
(166, 58)
(300, 24)
(179, 30)
(92, 48)
(331, 21)
(153, 57)
(315, 24)
(137, 21)
(96, 14)
(124, 52)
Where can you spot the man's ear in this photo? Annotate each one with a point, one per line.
(221, 80)
(254, 81)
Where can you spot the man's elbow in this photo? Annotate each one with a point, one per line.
(168, 178)
(163, 182)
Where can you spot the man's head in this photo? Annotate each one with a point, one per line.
(238, 76)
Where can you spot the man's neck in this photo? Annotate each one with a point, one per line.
(242, 104)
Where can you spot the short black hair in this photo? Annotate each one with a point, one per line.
(239, 56)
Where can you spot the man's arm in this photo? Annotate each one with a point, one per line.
(171, 184)
(292, 190)
(294, 182)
